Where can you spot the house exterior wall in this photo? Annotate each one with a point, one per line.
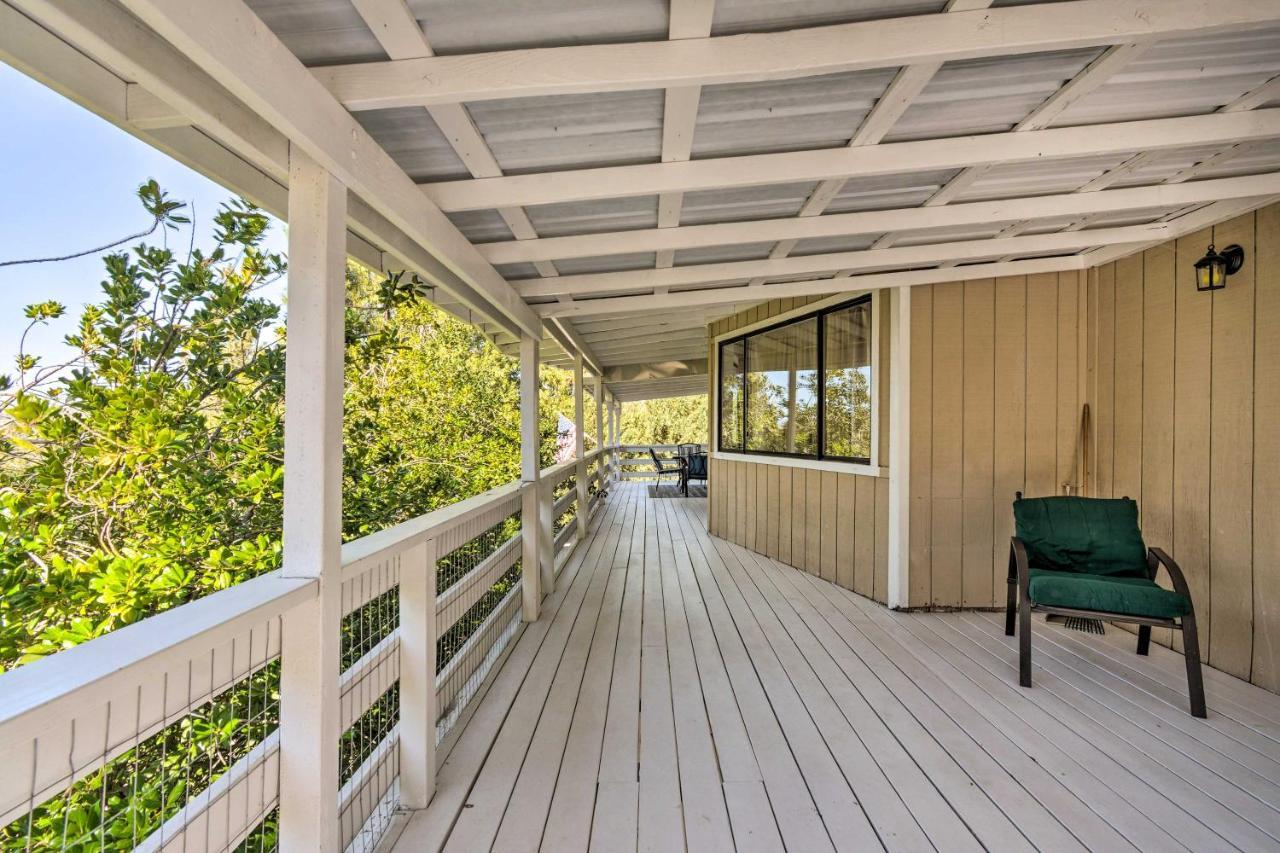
(830, 523)
(1185, 390)
(997, 388)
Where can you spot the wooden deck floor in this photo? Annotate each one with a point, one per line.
(681, 693)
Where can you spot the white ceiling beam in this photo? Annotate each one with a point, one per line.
(1090, 78)
(883, 159)
(783, 55)
(402, 37)
(596, 284)
(689, 19)
(745, 294)
(1028, 209)
(908, 83)
(563, 331)
(232, 146)
(227, 41)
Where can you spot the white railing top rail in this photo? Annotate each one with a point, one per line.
(368, 550)
(50, 690)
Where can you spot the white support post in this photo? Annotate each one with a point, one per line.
(602, 460)
(311, 642)
(418, 675)
(537, 577)
(579, 445)
(617, 437)
(899, 447)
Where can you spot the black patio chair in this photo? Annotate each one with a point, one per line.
(667, 466)
(1084, 558)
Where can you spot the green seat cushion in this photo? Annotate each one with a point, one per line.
(1097, 536)
(1129, 596)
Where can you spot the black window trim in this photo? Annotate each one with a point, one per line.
(820, 314)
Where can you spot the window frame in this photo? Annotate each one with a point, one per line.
(820, 314)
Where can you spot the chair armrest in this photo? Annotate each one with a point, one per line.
(1019, 566)
(1156, 557)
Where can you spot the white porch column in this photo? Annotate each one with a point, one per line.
(579, 445)
(899, 446)
(602, 459)
(535, 575)
(311, 645)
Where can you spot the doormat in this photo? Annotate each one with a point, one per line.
(696, 490)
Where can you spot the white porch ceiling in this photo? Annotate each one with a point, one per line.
(813, 216)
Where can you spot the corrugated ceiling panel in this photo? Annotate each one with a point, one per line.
(471, 26)
(1166, 164)
(754, 16)
(883, 192)
(608, 263)
(987, 95)
(572, 131)
(733, 205)
(511, 272)
(785, 115)
(1183, 77)
(723, 254)
(481, 226)
(947, 235)
(415, 142)
(1254, 160)
(843, 243)
(1037, 177)
(589, 217)
(320, 32)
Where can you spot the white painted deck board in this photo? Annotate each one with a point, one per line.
(681, 692)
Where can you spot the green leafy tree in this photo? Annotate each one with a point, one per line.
(670, 420)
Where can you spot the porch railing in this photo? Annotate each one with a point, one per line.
(165, 734)
(635, 463)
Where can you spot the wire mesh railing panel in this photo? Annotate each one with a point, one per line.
(203, 775)
(369, 769)
(462, 649)
(463, 560)
(369, 698)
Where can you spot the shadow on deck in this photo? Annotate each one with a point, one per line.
(681, 692)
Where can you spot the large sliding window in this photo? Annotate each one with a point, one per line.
(800, 388)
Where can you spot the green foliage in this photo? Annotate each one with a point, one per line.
(673, 420)
(147, 470)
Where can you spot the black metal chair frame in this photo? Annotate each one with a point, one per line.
(663, 466)
(1020, 599)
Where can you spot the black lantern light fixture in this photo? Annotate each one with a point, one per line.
(1212, 270)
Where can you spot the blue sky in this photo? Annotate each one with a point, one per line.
(67, 183)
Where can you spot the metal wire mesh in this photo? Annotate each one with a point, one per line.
(369, 696)
(461, 561)
(196, 776)
(263, 838)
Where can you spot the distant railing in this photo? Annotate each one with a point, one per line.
(165, 734)
(635, 463)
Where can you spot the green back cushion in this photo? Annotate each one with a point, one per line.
(1097, 536)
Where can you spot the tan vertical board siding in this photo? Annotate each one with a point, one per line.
(1127, 462)
(786, 515)
(799, 517)
(948, 442)
(830, 518)
(920, 570)
(761, 520)
(1266, 451)
(864, 542)
(1042, 385)
(1157, 402)
(1104, 369)
(1231, 462)
(752, 538)
(743, 504)
(880, 589)
(771, 514)
(1009, 444)
(1193, 316)
(813, 529)
(846, 501)
(976, 586)
(1068, 379)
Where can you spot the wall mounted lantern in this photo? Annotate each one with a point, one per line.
(1212, 270)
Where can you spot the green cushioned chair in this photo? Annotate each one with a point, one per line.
(1084, 557)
